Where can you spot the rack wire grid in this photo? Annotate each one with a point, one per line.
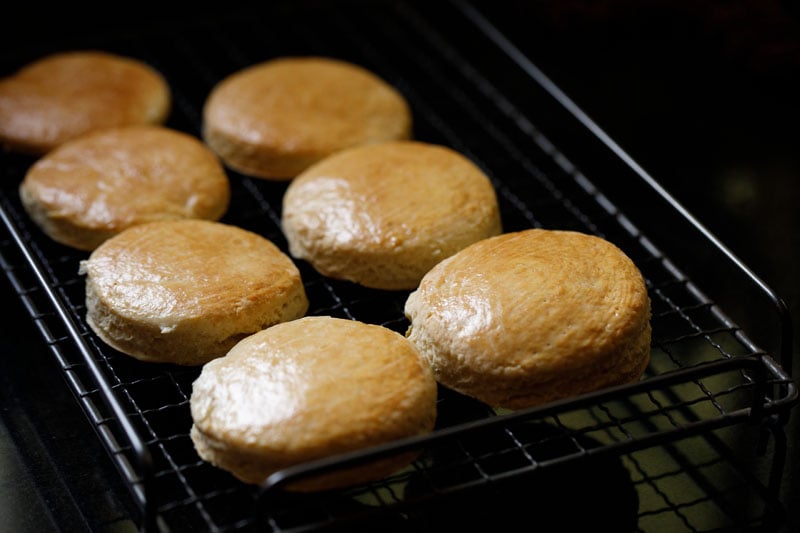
(709, 393)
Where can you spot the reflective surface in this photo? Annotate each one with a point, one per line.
(54, 475)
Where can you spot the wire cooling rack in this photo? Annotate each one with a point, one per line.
(708, 385)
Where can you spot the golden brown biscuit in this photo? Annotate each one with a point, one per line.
(533, 316)
(64, 95)
(382, 215)
(308, 389)
(185, 291)
(93, 187)
(274, 119)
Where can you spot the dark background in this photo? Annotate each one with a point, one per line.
(704, 95)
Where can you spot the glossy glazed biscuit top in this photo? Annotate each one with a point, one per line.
(382, 215)
(529, 316)
(185, 291)
(276, 118)
(307, 389)
(101, 183)
(61, 96)
(176, 270)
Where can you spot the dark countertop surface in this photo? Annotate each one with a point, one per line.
(704, 95)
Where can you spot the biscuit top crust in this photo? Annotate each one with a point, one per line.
(116, 178)
(307, 105)
(315, 386)
(536, 299)
(165, 272)
(64, 95)
(393, 195)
